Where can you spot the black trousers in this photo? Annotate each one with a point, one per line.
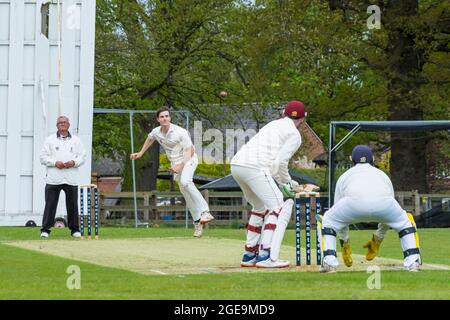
(51, 203)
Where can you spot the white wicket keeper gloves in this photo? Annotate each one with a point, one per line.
(270, 149)
(59, 149)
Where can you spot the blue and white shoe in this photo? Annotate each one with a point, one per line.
(249, 260)
(263, 257)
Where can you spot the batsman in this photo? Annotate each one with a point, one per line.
(256, 167)
(365, 194)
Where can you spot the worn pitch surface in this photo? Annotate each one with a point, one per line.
(183, 255)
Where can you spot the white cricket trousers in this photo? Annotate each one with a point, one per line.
(266, 199)
(349, 210)
(194, 199)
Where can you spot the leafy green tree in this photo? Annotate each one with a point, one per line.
(265, 52)
(406, 53)
(323, 53)
(154, 53)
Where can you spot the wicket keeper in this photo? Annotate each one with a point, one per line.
(365, 194)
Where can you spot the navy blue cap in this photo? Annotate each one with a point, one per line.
(362, 154)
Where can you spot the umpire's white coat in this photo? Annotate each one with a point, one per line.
(57, 148)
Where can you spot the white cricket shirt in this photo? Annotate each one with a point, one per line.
(363, 181)
(174, 142)
(271, 148)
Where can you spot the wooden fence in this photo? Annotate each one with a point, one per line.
(169, 207)
(417, 203)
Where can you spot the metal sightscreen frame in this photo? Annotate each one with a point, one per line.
(372, 126)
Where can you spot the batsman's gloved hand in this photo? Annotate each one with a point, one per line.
(372, 246)
(287, 189)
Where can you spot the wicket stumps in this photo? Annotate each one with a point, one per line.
(86, 211)
(308, 199)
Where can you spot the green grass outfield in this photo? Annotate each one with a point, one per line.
(34, 274)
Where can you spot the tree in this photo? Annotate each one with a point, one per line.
(149, 54)
(263, 53)
(414, 38)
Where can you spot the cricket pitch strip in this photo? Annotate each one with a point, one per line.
(178, 256)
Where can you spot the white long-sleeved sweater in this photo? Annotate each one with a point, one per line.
(271, 148)
(59, 149)
(363, 181)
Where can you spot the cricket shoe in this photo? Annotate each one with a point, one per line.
(414, 267)
(76, 234)
(249, 260)
(269, 263)
(198, 230)
(44, 235)
(326, 268)
(206, 217)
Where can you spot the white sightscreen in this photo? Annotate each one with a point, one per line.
(27, 59)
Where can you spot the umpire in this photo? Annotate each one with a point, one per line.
(62, 154)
